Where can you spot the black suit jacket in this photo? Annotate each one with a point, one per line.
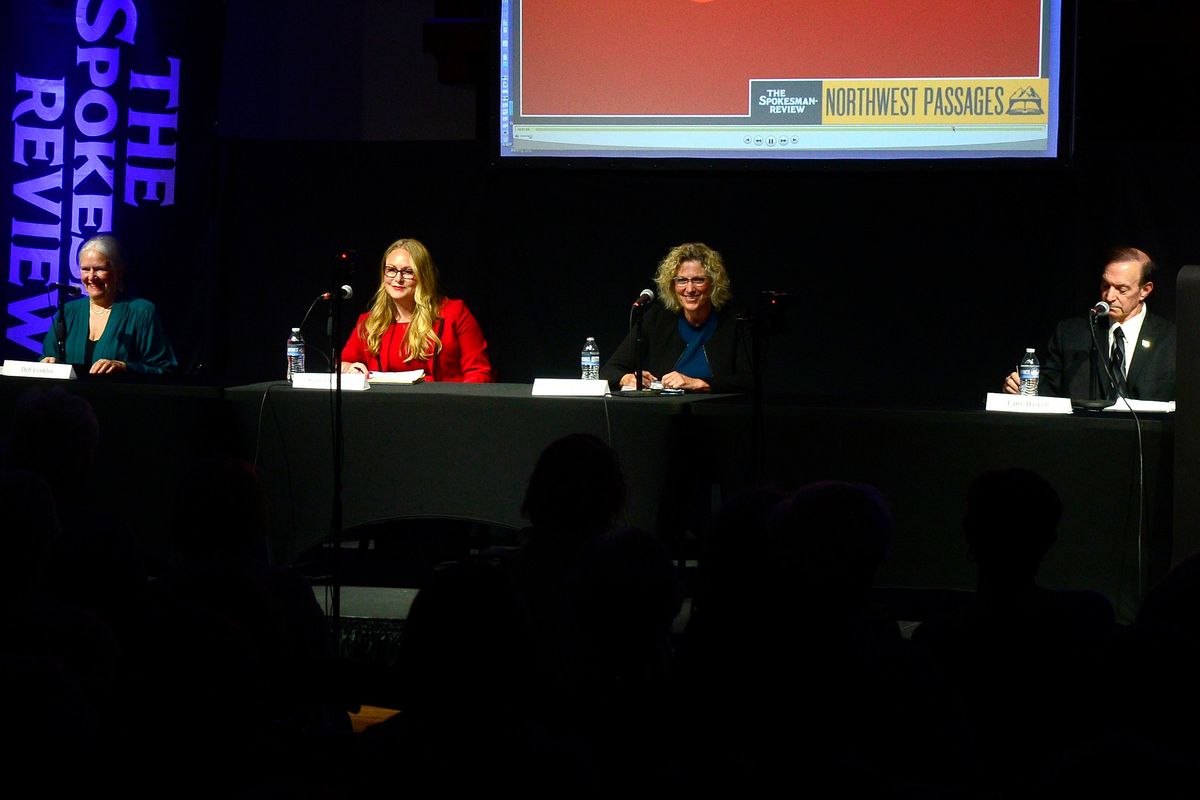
(727, 351)
(1072, 366)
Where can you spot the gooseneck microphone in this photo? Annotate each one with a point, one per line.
(1100, 353)
(64, 291)
(345, 291)
(66, 288)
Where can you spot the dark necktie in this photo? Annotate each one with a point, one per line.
(1118, 360)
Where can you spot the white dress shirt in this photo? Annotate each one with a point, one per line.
(1132, 326)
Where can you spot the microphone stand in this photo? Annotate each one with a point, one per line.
(1141, 480)
(756, 399)
(1097, 354)
(60, 323)
(635, 322)
(338, 438)
(765, 319)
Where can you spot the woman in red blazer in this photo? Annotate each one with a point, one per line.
(410, 325)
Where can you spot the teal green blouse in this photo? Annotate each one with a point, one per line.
(134, 334)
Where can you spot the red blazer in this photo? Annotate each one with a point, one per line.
(463, 357)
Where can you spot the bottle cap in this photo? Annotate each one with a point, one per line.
(295, 330)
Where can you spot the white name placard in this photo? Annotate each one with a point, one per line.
(36, 369)
(568, 387)
(1143, 406)
(351, 381)
(1028, 404)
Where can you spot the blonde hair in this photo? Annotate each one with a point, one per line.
(710, 261)
(421, 341)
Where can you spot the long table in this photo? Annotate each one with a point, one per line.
(923, 461)
(443, 450)
(463, 451)
(150, 433)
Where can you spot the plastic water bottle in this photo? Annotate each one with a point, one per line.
(1029, 372)
(589, 360)
(295, 353)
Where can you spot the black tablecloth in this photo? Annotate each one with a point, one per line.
(466, 451)
(923, 462)
(453, 450)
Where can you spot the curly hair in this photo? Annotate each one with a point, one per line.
(710, 261)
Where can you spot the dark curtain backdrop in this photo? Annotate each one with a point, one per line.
(913, 285)
(349, 124)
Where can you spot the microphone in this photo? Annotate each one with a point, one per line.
(68, 289)
(1101, 309)
(644, 299)
(346, 292)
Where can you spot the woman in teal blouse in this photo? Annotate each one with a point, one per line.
(105, 332)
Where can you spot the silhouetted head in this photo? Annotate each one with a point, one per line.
(31, 528)
(629, 595)
(735, 546)
(577, 486)
(1175, 601)
(1011, 521)
(50, 428)
(221, 512)
(833, 536)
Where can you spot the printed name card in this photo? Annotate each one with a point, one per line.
(1028, 404)
(36, 369)
(351, 381)
(568, 387)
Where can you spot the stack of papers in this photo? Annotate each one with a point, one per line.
(410, 376)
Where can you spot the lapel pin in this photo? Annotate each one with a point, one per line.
(1146, 344)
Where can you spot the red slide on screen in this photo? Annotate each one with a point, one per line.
(695, 57)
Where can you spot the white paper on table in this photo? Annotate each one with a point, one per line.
(398, 378)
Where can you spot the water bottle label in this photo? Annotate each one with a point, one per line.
(1030, 372)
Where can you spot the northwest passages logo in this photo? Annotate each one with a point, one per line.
(926, 102)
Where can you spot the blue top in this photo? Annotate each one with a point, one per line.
(694, 361)
(134, 334)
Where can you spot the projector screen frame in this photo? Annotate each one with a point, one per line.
(887, 161)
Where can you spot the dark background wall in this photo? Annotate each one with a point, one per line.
(913, 284)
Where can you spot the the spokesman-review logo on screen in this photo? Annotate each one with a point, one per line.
(786, 102)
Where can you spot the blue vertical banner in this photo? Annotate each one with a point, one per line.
(109, 127)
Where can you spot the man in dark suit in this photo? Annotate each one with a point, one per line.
(1137, 346)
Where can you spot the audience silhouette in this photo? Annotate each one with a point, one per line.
(98, 560)
(560, 667)
(58, 661)
(1020, 654)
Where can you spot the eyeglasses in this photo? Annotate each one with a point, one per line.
(682, 282)
(405, 275)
